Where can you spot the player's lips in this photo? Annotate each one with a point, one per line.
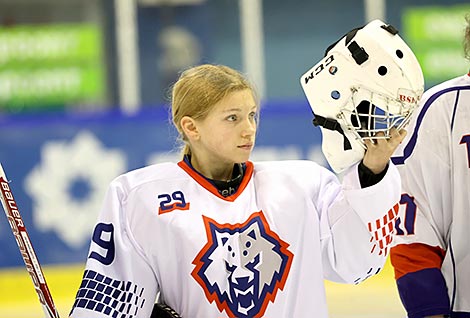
(246, 146)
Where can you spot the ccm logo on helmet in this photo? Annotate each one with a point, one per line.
(408, 99)
(320, 67)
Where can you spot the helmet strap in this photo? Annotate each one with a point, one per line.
(332, 124)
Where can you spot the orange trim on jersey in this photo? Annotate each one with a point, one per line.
(174, 206)
(211, 188)
(409, 258)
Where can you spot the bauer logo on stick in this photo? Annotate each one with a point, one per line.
(26, 248)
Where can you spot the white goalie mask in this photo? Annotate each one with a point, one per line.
(368, 82)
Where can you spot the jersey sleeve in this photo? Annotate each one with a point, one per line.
(117, 281)
(357, 224)
(420, 244)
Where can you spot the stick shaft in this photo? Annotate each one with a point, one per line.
(26, 248)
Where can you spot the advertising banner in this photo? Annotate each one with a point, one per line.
(50, 66)
(435, 34)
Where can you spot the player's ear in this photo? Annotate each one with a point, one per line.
(189, 127)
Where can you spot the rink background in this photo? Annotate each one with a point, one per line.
(295, 38)
(377, 297)
(61, 245)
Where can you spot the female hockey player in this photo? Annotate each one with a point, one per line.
(216, 235)
(432, 253)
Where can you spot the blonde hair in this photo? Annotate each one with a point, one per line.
(198, 89)
(466, 41)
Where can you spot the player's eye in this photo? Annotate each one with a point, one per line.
(232, 118)
(254, 116)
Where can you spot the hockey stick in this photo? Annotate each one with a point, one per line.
(163, 311)
(26, 248)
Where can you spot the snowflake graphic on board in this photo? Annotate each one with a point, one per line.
(68, 185)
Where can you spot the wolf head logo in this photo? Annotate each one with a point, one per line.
(242, 266)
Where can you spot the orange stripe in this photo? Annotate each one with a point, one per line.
(391, 216)
(173, 207)
(211, 188)
(409, 258)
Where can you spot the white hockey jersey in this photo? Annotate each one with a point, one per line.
(434, 223)
(262, 252)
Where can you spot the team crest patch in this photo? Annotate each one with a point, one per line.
(242, 266)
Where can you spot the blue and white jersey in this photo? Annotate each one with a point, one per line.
(263, 251)
(432, 252)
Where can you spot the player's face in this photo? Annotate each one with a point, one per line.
(227, 134)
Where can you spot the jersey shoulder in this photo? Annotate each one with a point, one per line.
(161, 172)
(440, 98)
(444, 90)
(434, 113)
(286, 165)
(298, 169)
(460, 82)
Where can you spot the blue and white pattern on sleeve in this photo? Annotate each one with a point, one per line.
(111, 297)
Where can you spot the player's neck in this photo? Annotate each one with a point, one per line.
(224, 187)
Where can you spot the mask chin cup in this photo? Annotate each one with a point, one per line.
(333, 150)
